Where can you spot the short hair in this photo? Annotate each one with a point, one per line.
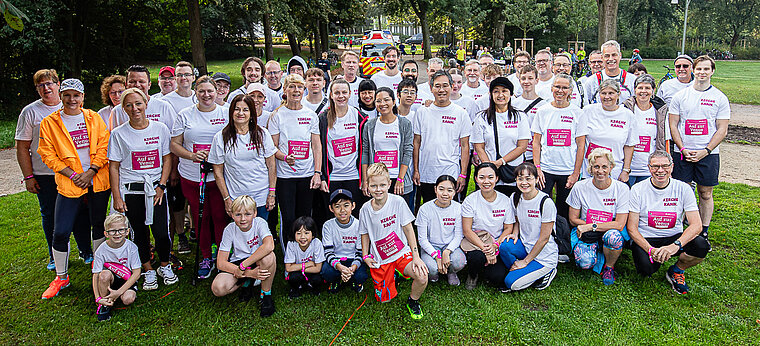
(389, 49)
(455, 71)
(205, 79)
(138, 69)
(472, 62)
(307, 223)
(272, 62)
(610, 84)
(491, 70)
(567, 77)
(521, 53)
(247, 61)
(292, 78)
(347, 53)
(485, 55)
(637, 67)
(660, 153)
(315, 71)
(410, 61)
(183, 63)
(562, 55)
(105, 87)
(544, 51)
(595, 52)
(378, 168)
(702, 58)
(610, 43)
(528, 69)
(114, 218)
(436, 61)
(645, 78)
(441, 73)
(47, 73)
(596, 154)
(406, 83)
(243, 202)
(131, 91)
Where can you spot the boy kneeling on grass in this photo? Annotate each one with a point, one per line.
(389, 243)
(246, 254)
(115, 267)
(343, 253)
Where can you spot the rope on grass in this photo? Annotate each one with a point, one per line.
(148, 302)
(349, 319)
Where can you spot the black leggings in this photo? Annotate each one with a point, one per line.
(698, 247)
(476, 265)
(562, 192)
(296, 279)
(295, 198)
(160, 227)
(68, 214)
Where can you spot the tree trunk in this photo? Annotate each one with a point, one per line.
(649, 30)
(498, 30)
(268, 46)
(425, 35)
(607, 20)
(196, 36)
(295, 47)
(316, 35)
(324, 32)
(734, 38)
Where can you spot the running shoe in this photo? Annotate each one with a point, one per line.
(471, 283)
(453, 279)
(433, 278)
(334, 286)
(294, 293)
(246, 291)
(151, 282)
(104, 313)
(677, 280)
(415, 310)
(168, 274)
(177, 263)
(267, 306)
(357, 287)
(544, 282)
(88, 259)
(205, 268)
(184, 244)
(192, 235)
(505, 289)
(51, 265)
(608, 275)
(563, 259)
(55, 287)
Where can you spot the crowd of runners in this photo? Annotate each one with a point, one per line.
(367, 178)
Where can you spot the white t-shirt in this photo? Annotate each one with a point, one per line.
(591, 86)
(105, 113)
(661, 211)
(273, 100)
(488, 216)
(423, 93)
(78, 131)
(179, 102)
(544, 91)
(28, 129)
(126, 255)
(263, 119)
(385, 228)
(609, 130)
(440, 129)
(530, 219)
(198, 130)
(482, 103)
(139, 152)
(559, 127)
(343, 141)
(518, 90)
(242, 245)
(474, 93)
(353, 100)
(599, 206)
(699, 112)
(314, 106)
(521, 104)
(245, 168)
(344, 240)
(469, 105)
(510, 131)
(157, 95)
(383, 80)
(157, 110)
(646, 126)
(295, 128)
(670, 87)
(387, 144)
(315, 252)
(439, 227)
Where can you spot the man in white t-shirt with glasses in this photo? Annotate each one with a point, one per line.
(611, 56)
(683, 66)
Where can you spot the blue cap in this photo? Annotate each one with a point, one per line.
(71, 84)
(341, 194)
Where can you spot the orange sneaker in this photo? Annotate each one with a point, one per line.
(56, 286)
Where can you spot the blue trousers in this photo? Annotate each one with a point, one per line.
(330, 275)
(510, 252)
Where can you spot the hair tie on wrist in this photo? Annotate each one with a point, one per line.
(463, 176)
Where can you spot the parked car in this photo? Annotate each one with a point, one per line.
(417, 39)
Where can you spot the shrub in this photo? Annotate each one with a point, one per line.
(658, 52)
(750, 53)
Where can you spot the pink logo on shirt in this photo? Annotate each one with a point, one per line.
(558, 137)
(644, 144)
(598, 216)
(696, 127)
(388, 157)
(201, 147)
(153, 116)
(344, 146)
(80, 138)
(389, 246)
(592, 146)
(299, 149)
(662, 219)
(145, 159)
(253, 242)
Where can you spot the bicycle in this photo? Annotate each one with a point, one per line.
(580, 69)
(667, 75)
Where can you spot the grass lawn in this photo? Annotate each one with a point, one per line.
(7, 133)
(722, 307)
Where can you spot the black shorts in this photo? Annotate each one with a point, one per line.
(237, 263)
(118, 282)
(176, 198)
(704, 172)
(697, 247)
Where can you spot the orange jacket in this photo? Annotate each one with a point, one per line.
(58, 151)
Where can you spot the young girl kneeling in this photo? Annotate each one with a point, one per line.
(304, 256)
(115, 268)
(246, 254)
(388, 241)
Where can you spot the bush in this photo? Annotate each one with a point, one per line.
(658, 52)
(333, 46)
(751, 53)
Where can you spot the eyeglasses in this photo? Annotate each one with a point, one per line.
(441, 86)
(117, 231)
(408, 92)
(562, 65)
(45, 85)
(115, 93)
(657, 167)
(184, 75)
(272, 73)
(222, 86)
(542, 61)
(683, 66)
(561, 87)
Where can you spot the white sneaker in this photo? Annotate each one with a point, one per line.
(563, 259)
(150, 282)
(546, 280)
(168, 275)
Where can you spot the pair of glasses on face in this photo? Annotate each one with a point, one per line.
(408, 92)
(658, 167)
(117, 231)
(184, 75)
(45, 85)
(684, 66)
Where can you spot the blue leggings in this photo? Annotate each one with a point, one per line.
(520, 279)
(330, 275)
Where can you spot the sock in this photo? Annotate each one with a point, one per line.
(704, 231)
(61, 259)
(96, 243)
(266, 293)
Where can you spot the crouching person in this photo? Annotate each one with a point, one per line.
(115, 268)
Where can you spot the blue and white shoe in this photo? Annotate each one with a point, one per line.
(51, 265)
(205, 268)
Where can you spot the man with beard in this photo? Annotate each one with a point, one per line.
(391, 76)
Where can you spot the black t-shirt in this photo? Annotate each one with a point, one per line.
(323, 64)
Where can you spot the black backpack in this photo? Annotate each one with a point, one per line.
(561, 231)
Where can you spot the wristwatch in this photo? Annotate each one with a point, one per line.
(627, 170)
(162, 186)
(594, 226)
(678, 242)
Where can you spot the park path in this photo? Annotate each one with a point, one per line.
(737, 160)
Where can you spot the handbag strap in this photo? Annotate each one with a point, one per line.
(496, 136)
(532, 104)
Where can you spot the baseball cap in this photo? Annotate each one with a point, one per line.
(72, 84)
(221, 76)
(340, 194)
(255, 87)
(166, 68)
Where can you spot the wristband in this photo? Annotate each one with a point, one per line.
(93, 169)
(303, 271)
(708, 150)
(475, 153)
(502, 161)
(497, 247)
(538, 165)
(682, 149)
(463, 176)
(226, 198)
(243, 268)
(318, 172)
(400, 180)
(30, 176)
(271, 189)
(650, 254)
(71, 177)
(368, 256)
(344, 258)
(98, 299)
(436, 254)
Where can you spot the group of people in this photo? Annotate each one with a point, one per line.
(369, 178)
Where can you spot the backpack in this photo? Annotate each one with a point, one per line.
(561, 231)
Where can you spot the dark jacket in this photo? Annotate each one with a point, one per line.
(323, 131)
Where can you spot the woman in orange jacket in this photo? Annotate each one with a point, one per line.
(74, 144)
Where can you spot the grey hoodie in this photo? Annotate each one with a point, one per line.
(296, 60)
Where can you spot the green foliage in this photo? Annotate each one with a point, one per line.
(528, 15)
(751, 53)
(659, 52)
(578, 15)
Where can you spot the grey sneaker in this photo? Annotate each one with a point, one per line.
(433, 278)
(546, 280)
(471, 282)
(184, 244)
(168, 275)
(453, 279)
(150, 283)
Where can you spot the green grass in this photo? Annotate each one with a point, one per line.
(577, 309)
(7, 133)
